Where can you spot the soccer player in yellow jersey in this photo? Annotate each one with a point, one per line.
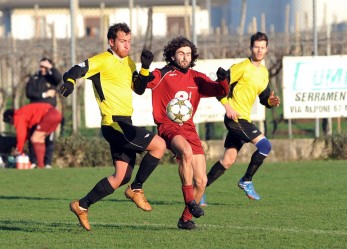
(248, 80)
(114, 77)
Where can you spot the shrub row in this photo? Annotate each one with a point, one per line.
(79, 151)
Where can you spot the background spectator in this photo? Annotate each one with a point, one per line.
(41, 88)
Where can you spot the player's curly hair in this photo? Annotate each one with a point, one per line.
(176, 43)
(112, 30)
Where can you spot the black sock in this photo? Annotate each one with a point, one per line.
(215, 172)
(256, 161)
(102, 189)
(147, 166)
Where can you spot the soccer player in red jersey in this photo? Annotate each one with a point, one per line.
(178, 80)
(42, 115)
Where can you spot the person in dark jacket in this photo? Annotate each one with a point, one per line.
(41, 88)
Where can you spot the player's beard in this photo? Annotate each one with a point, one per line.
(183, 64)
(123, 53)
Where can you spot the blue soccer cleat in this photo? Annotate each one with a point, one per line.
(203, 201)
(248, 187)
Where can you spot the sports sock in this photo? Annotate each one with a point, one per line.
(215, 172)
(147, 166)
(188, 193)
(40, 149)
(102, 189)
(186, 215)
(256, 161)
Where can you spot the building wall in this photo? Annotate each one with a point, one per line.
(43, 23)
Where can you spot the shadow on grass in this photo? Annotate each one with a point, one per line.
(154, 202)
(48, 227)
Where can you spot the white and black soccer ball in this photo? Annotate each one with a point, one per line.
(179, 110)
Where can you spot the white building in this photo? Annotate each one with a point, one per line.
(26, 19)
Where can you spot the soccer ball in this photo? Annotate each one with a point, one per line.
(179, 110)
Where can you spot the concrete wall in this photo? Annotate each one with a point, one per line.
(282, 150)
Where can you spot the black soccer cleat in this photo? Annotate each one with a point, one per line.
(195, 209)
(187, 225)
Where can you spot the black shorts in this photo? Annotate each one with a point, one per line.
(126, 140)
(239, 133)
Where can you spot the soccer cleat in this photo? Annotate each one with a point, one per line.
(48, 166)
(82, 215)
(138, 196)
(195, 209)
(248, 187)
(33, 166)
(203, 202)
(188, 224)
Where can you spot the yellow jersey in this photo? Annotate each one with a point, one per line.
(250, 81)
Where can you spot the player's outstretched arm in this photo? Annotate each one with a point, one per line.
(141, 80)
(70, 77)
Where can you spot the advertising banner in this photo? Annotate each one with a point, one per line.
(210, 110)
(315, 87)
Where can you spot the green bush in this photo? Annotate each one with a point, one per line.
(338, 144)
(81, 151)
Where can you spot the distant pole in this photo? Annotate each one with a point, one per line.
(73, 14)
(195, 41)
(208, 7)
(131, 7)
(315, 51)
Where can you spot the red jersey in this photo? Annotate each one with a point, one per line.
(25, 118)
(171, 83)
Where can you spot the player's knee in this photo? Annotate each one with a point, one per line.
(264, 146)
(126, 179)
(187, 155)
(227, 162)
(201, 182)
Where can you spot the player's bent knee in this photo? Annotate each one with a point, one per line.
(264, 146)
(201, 182)
(126, 179)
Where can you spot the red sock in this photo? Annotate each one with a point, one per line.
(188, 193)
(40, 149)
(186, 215)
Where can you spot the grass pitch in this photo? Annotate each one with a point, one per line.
(303, 205)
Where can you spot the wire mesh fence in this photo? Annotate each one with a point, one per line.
(47, 32)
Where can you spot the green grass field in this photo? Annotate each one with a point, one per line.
(303, 205)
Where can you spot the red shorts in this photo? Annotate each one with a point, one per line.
(169, 130)
(49, 121)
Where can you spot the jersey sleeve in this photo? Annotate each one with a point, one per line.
(155, 79)
(76, 71)
(210, 88)
(236, 72)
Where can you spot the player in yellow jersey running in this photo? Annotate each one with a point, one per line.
(248, 79)
(114, 77)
